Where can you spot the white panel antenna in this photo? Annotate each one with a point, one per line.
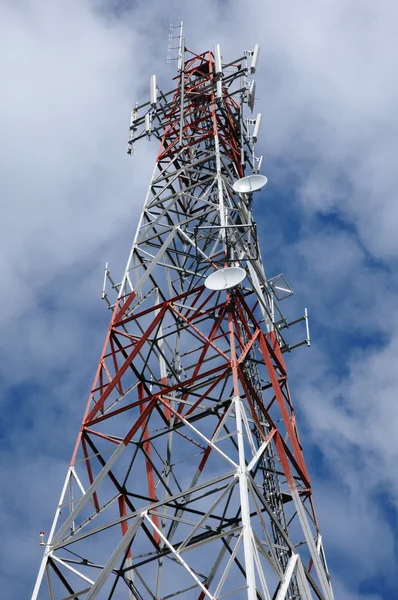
(256, 128)
(251, 95)
(219, 88)
(154, 91)
(148, 124)
(180, 63)
(255, 54)
(134, 116)
(217, 59)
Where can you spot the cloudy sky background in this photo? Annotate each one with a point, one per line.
(327, 90)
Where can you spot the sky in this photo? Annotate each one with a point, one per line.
(327, 91)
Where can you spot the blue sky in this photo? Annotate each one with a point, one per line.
(71, 198)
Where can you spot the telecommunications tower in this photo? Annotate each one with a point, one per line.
(188, 478)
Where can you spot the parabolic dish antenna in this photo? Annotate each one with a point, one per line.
(225, 279)
(249, 184)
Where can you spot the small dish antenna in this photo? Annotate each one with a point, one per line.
(251, 95)
(225, 279)
(249, 184)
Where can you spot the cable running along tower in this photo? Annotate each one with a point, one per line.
(188, 478)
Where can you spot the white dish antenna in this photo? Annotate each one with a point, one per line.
(249, 184)
(225, 279)
(251, 95)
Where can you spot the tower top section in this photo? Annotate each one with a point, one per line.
(226, 89)
(206, 173)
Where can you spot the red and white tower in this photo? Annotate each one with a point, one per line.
(188, 478)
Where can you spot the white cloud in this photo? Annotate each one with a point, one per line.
(355, 418)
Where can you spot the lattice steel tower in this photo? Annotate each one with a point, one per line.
(188, 477)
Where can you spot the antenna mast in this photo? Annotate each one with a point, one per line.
(188, 478)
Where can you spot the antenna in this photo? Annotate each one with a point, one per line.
(256, 128)
(255, 54)
(249, 184)
(154, 91)
(169, 44)
(225, 279)
(148, 124)
(217, 59)
(180, 50)
(219, 89)
(251, 95)
(134, 115)
(180, 46)
(218, 70)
